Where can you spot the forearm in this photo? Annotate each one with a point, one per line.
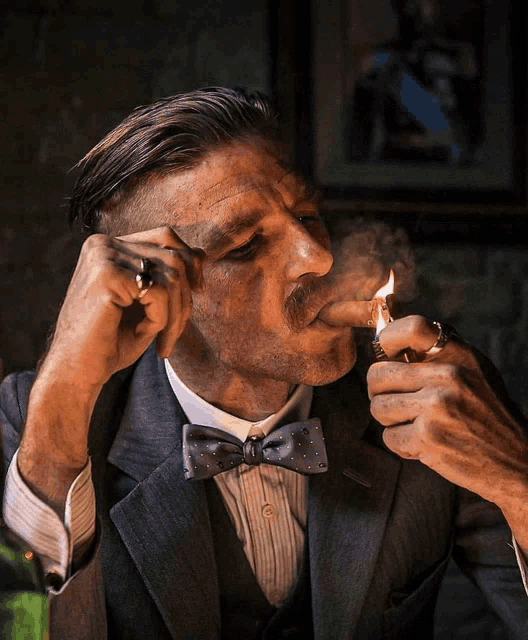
(54, 447)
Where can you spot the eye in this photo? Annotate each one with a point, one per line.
(247, 250)
(308, 218)
(311, 221)
(314, 225)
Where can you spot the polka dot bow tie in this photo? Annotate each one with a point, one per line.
(298, 446)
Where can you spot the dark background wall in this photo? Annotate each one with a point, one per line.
(71, 72)
(74, 69)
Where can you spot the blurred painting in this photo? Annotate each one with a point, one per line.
(413, 94)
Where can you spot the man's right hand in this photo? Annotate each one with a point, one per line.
(103, 326)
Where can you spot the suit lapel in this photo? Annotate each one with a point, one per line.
(164, 520)
(347, 513)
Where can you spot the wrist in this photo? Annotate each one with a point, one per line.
(54, 446)
(57, 423)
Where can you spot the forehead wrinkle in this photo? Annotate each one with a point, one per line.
(239, 187)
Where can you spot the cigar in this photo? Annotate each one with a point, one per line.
(350, 313)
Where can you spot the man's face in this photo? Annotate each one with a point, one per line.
(267, 253)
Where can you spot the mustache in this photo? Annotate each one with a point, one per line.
(307, 298)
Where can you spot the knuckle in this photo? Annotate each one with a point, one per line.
(436, 436)
(168, 236)
(417, 324)
(432, 434)
(375, 371)
(392, 441)
(444, 402)
(105, 273)
(439, 400)
(378, 409)
(374, 407)
(94, 241)
(453, 373)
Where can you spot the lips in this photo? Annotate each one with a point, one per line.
(305, 302)
(320, 314)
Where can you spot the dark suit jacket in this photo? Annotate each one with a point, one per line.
(380, 529)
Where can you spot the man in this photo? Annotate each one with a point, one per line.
(199, 301)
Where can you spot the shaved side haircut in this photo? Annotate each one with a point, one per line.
(168, 136)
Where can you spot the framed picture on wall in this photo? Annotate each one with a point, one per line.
(415, 100)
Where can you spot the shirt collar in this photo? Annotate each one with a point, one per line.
(199, 411)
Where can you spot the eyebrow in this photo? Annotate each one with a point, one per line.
(219, 237)
(310, 191)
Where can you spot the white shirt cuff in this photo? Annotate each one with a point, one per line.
(39, 525)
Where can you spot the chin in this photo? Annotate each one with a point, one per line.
(328, 368)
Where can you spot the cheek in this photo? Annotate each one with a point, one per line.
(238, 300)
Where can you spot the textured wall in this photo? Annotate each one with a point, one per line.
(69, 76)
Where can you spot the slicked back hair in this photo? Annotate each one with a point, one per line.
(170, 135)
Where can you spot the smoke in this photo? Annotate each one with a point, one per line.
(364, 252)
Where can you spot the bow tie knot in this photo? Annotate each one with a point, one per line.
(298, 446)
(252, 451)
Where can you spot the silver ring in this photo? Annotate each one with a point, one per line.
(445, 333)
(144, 278)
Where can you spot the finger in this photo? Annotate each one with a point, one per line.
(164, 268)
(169, 286)
(401, 377)
(164, 244)
(143, 322)
(391, 409)
(179, 309)
(403, 440)
(108, 271)
(172, 330)
(166, 257)
(414, 332)
(161, 236)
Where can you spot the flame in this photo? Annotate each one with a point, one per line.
(381, 295)
(387, 288)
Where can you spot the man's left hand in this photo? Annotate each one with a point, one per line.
(443, 412)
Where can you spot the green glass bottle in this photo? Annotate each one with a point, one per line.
(23, 600)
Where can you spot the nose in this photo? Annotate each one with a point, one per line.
(309, 253)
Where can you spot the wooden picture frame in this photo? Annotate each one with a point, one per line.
(309, 46)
